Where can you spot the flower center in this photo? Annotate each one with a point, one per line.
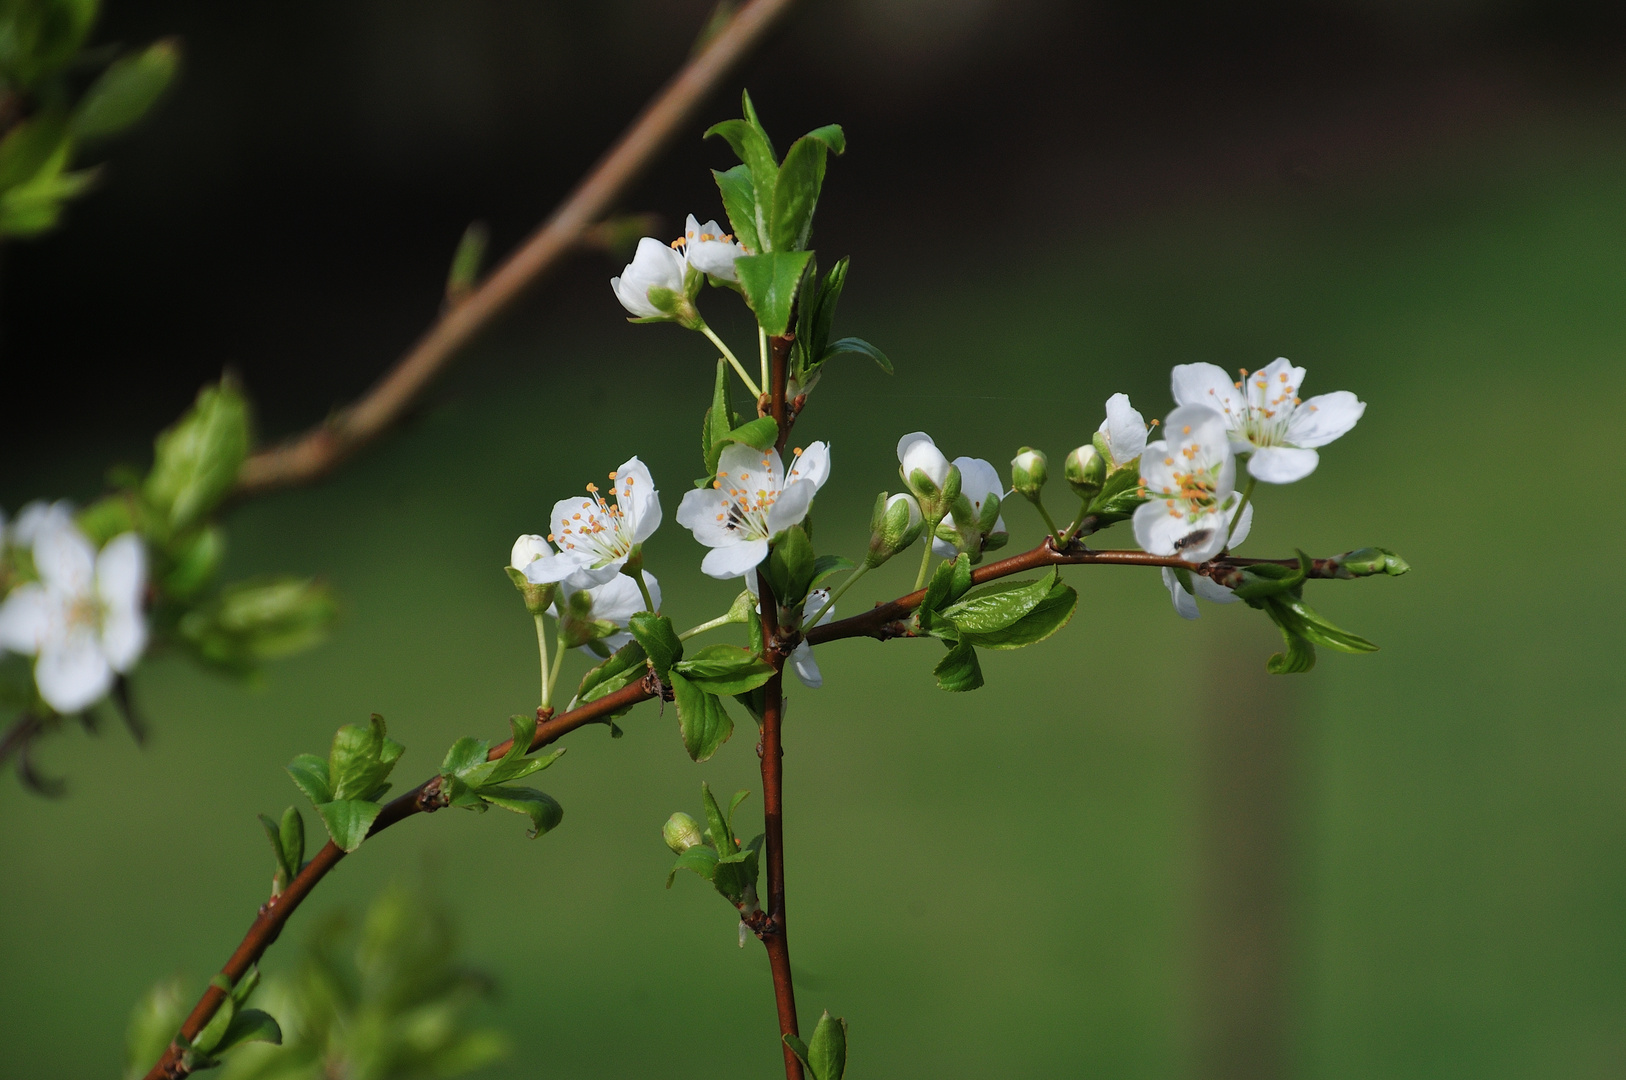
(1266, 410)
(599, 528)
(747, 502)
(86, 612)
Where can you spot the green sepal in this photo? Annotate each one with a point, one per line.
(196, 459)
(543, 810)
(701, 859)
(126, 91)
(659, 640)
(959, 670)
(703, 722)
(769, 282)
(790, 566)
(348, 820)
(725, 669)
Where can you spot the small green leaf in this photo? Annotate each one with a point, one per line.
(702, 720)
(193, 562)
(196, 459)
(796, 194)
(718, 424)
(215, 1030)
(1302, 620)
(1046, 617)
(31, 147)
(759, 434)
(859, 346)
(125, 92)
(348, 820)
(282, 873)
(521, 730)
(465, 754)
(291, 832)
(250, 1025)
(626, 665)
(734, 804)
(467, 261)
(827, 1050)
(769, 281)
(543, 810)
(722, 834)
(659, 640)
(825, 566)
(361, 759)
(752, 147)
(740, 204)
(256, 620)
(959, 671)
(310, 776)
(799, 1048)
(1298, 658)
(701, 859)
(725, 669)
(989, 612)
(736, 876)
(790, 566)
(1119, 496)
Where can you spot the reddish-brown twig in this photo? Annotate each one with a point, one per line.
(315, 452)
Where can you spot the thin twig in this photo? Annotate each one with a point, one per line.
(317, 451)
(274, 913)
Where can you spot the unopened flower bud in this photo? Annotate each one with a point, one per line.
(924, 469)
(1029, 471)
(681, 832)
(527, 550)
(894, 526)
(1086, 471)
(1368, 561)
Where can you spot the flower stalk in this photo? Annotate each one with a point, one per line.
(733, 361)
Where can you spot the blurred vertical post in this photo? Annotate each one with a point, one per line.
(1244, 835)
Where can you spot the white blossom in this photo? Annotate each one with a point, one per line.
(918, 453)
(654, 265)
(752, 499)
(82, 621)
(710, 250)
(613, 603)
(979, 481)
(38, 517)
(1185, 603)
(1265, 417)
(1189, 478)
(1125, 431)
(801, 657)
(595, 537)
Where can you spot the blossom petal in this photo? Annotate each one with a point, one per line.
(1205, 384)
(124, 637)
(1161, 532)
(754, 468)
(65, 558)
(1125, 429)
(806, 668)
(121, 571)
(734, 560)
(26, 618)
(635, 494)
(72, 674)
(1211, 590)
(909, 440)
(1157, 469)
(618, 600)
(978, 479)
(812, 464)
(1324, 418)
(704, 512)
(791, 506)
(38, 516)
(557, 568)
(1244, 526)
(1185, 605)
(1282, 464)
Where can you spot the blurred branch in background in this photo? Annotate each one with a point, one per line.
(1244, 797)
(312, 454)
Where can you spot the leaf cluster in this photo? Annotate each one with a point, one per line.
(1006, 615)
(156, 1020)
(42, 52)
(346, 789)
(1278, 591)
(470, 779)
(730, 866)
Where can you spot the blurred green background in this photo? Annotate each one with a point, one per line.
(1130, 854)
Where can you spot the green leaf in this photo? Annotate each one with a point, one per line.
(736, 876)
(796, 193)
(467, 262)
(348, 820)
(959, 671)
(700, 859)
(466, 754)
(215, 1030)
(361, 759)
(1298, 617)
(825, 566)
(626, 665)
(33, 146)
(990, 612)
(859, 346)
(1119, 496)
(704, 723)
(291, 832)
(718, 424)
(282, 873)
(196, 460)
(722, 834)
(260, 619)
(740, 204)
(37, 39)
(799, 1048)
(1270, 579)
(734, 804)
(725, 669)
(193, 562)
(545, 813)
(250, 1025)
(1046, 617)
(769, 282)
(310, 776)
(827, 1050)
(759, 434)
(659, 640)
(790, 566)
(752, 147)
(154, 1020)
(1298, 658)
(124, 92)
(512, 765)
(949, 582)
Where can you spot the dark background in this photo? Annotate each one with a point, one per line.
(1131, 854)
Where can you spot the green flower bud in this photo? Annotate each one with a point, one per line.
(1029, 471)
(895, 525)
(681, 832)
(1366, 562)
(1086, 471)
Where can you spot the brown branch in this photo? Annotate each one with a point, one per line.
(317, 451)
(424, 798)
(878, 622)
